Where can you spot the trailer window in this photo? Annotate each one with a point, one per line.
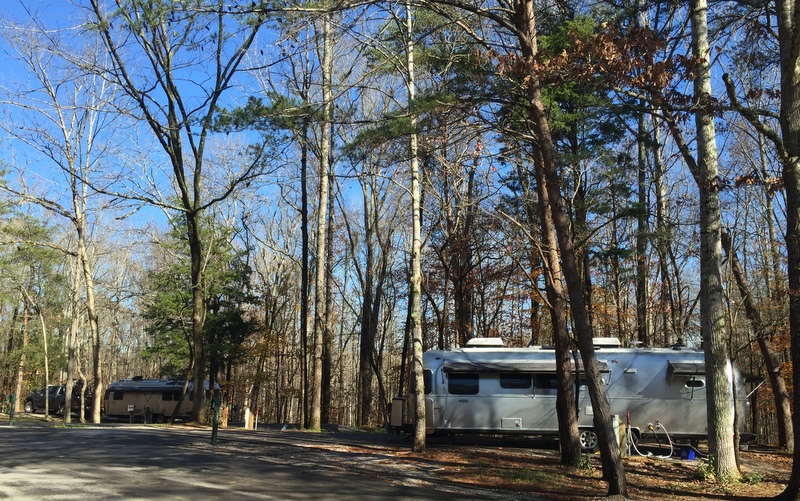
(510, 380)
(545, 384)
(462, 383)
(427, 378)
(119, 395)
(169, 396)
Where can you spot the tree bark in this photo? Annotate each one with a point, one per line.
(322, 222)
(566, 404)
(368, 321)
(328, 337)
(18, 384)
(789, 43)
(613, 470)
(416, 249)
(712, 300)
(642, 234)
(783, 408)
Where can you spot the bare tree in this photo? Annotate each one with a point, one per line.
(64, 120)
(161, 59)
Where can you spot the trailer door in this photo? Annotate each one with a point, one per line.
(545, 388)
(462, 408)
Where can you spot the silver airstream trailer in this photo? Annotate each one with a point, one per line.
(491, 389)
(149, 400)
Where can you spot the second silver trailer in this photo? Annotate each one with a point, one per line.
(149, 400)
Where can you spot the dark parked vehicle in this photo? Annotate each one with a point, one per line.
(56, 395)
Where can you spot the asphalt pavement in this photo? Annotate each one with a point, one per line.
(138, 462)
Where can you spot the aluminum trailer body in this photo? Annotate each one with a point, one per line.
(513, 391)
(152, 400)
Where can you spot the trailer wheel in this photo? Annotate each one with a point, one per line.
(158, 419)
(588, 440)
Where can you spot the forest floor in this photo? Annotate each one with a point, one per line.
(515, 467)
(537, 472)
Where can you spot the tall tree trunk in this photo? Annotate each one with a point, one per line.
(21, 363)
(783, 407)
(416, 249)
(789, 43)
(663, 243)
(322, 221)
(462, 257)
(613, 471)
(94, 324)
(327, 344)
(27, 303)
(368, 322)
(72, 337)
(712, 300)
(305, 273)
(580, 232)
(566, 403)
(198, 314)
(642, 233)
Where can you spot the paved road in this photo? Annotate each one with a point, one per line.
(142, 463)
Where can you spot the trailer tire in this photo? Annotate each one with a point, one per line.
(588, 439)
(158, 419)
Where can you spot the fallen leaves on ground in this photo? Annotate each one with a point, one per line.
(538, 473)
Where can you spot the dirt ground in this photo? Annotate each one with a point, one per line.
(537, 472)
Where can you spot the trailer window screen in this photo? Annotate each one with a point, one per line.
(463, 383)
(515, 381)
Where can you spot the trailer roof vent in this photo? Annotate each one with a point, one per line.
(606, 342)
(485, 342)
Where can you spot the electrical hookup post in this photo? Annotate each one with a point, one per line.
(12, 401)
(215, 422)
